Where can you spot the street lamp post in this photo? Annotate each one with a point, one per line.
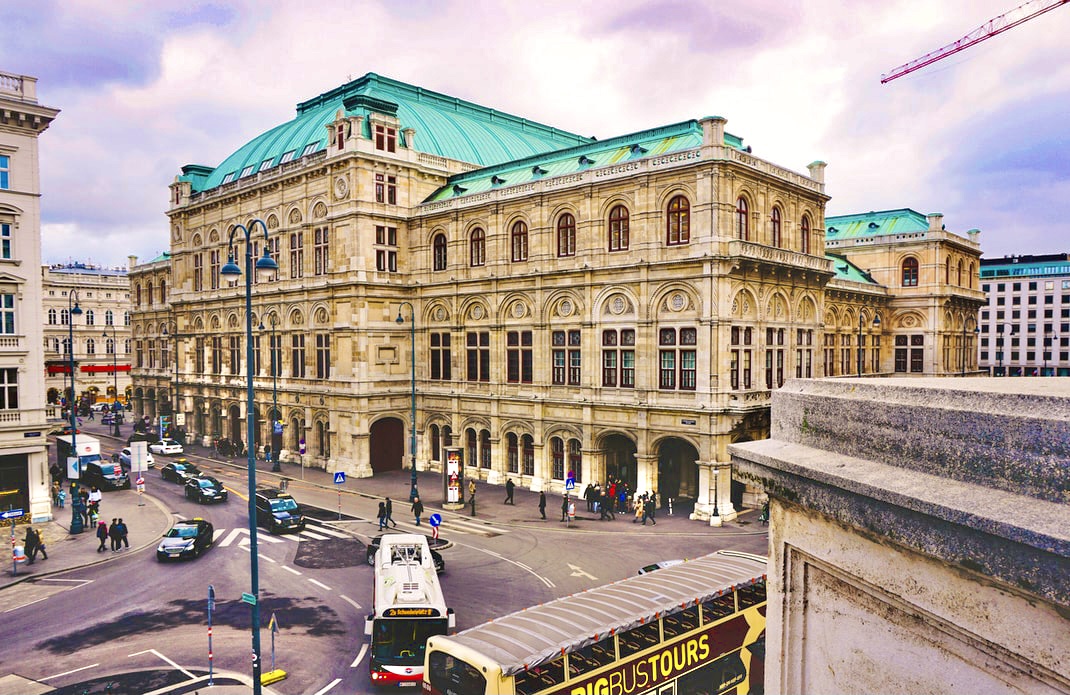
(412, 415)
(861, 349)
(264, 265)
(275, 464)
(73, 311)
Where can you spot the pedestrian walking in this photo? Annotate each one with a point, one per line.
(472, 501)
(509, 487)
(471, 488)
(30, 545)
(94, 498)
(653, 503)
(587, 497)
(115, 535)
(648, 510)
(417, 509)
(564, 508)
(542, 504)
(639, 503)
(123, 533)
(390, 513)
(102, 535)
(382, 515)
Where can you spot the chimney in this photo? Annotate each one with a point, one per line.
(974, 234)
(817, 170)
(936, 221)
(131, 261)
(713, 131)
(410, 137)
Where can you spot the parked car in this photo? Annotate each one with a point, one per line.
(179, 471)
(205, 488)
(105, 475)
(126, 457)
(436, 557)
(166, 447)
(277, 511)
(99, 407)
(186, 539)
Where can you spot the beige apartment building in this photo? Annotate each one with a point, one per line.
(24, 477)
(101, 333)
(553, 304)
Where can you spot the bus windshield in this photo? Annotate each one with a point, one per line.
(401, 641)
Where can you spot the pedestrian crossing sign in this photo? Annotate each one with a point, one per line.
(570, 484)
(339, 478)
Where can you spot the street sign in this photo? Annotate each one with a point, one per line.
(339, 478)
(12, 514)
(248, 598)
(139, 481)
(277, 427)
(570, 484)
(435, 519)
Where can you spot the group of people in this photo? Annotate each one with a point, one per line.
(33, 544)
(617, 498)
(117, 533)
(386, 515)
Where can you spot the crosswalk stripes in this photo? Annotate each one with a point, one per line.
(318, 531)
(242, 535)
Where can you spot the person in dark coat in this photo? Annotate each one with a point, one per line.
(509, 487)
(382, 515)
(542, 504)
(564, 508)
(390, 513)
(115, 535)
(472, 501)
(417, 509)
(102, 535)
(123, 532)
(32, 545)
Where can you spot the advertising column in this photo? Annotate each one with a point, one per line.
(453, 479)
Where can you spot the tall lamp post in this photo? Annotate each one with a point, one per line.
(861, 349)
(72, 311)
(114, 377)
(412, 373)
(265, 265)
(275, 464)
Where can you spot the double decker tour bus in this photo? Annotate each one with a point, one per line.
(697, 628)
(409, 608)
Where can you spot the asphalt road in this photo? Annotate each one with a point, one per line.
(142, 614)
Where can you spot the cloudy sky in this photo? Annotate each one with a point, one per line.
(146, 87)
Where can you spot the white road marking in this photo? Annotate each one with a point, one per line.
(290, 569)
(578, 572)
(319, 584)
(329, 686)
(321, 528)
(313, 536)
(165, 659)
(67, 673)
(43, 598)
(360, 654)
(351, 602)
(538, 576)
(72, 581)
(264, 557)
(179, 516)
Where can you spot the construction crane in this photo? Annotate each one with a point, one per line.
(997, 25)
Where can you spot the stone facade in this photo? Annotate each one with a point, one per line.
(562, 323)
(23, 414)
(918, 535)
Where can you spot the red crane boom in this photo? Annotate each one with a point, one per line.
(997, 25)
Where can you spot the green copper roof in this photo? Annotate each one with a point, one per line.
(619, 150)
(902, 221)
(444, 125)
(846, 270)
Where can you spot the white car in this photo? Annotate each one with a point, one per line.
(100, 406)
(166, 447)
(126, 457)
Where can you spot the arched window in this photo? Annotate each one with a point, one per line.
(163, 291)
(947, 271)
(470, 448)
(566, 235)
(678, 224)
(805, 232)
(64, 317)
(910, 272)
(513, 452)
(519, 240)
(435, 451)
(148, 289)
(52, 317)
(528, 445)
(484, 449)
(972, 275)
(742, 224)
(557, 456)
(137, 295)
(477, 247)
(109, 347)
(323, 439)
(575, 459)
(90, 346)
(109, 318)
(439, 245)
(775, 221)
(618, 228)
(90, 320)
(126, 318)
(958, 281)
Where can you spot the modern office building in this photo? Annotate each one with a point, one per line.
(454, 276)
(101, 333)
(1025, 328)
(23, 420)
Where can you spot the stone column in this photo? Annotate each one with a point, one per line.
(646, 474)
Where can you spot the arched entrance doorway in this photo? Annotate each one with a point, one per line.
(620, 459)
(386, 445)
(234, 424)
(677, 472)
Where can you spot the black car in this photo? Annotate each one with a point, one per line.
(186, 539)
(105, 475)
(179, 471)
(277, 511)
(436, 557)
(204, 488)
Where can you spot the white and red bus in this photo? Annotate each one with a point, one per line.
(409, 608)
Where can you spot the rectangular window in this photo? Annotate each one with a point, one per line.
(5, 241)
(477, 347)
(386, 260)
(7, 314)
(321, 251)
(152, 354)
(235, 354)
(217, 355)
(566, 358)
(441, 369)
(309, 149)
(559, 357)
(198, 355)
(287, 156)
(323, 356)
(385, 138)
(386, 189)
(574, 358)
(246, 171)
(256, 355)
(917, 353)
(519, 356)
(618, 358)
(741, 356)
(275, 357)
(297, 255)
(198, 271)
(297, 356)
(213, 269)
(5, 172)
(9, 388)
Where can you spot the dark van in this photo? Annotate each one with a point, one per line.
(277, 511)
(106, 476)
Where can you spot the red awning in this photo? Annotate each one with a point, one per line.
(59, 369)
(106, 368)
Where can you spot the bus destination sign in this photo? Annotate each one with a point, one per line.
(411, 613)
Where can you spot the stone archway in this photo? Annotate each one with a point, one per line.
(677, 472)
(620, 461)
(387, 445)
(234, 424)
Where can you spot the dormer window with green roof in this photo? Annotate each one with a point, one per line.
(309, 148)
(386, 138)
(287, 156)
(228, 178)
(246, 171)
